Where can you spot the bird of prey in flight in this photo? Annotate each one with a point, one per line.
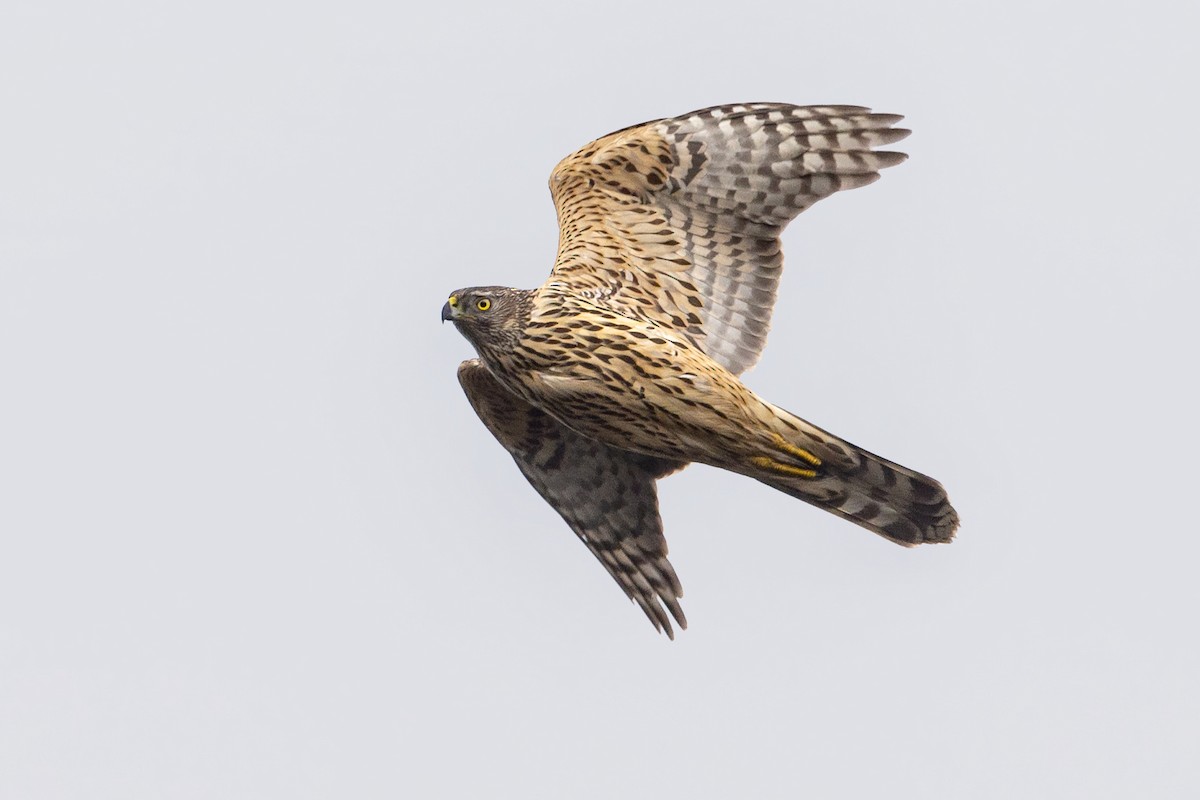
(623, 366)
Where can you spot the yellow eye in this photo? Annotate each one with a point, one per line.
(483, 304)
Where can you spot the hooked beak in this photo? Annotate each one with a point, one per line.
(447, 313)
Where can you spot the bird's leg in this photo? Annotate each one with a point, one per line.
(778, 467)
(798, 452)
(771, 464)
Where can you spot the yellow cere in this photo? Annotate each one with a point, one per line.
(453, 301)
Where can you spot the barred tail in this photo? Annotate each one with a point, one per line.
(897, 503)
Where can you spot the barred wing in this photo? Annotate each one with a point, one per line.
(606, 496)
(678, 220)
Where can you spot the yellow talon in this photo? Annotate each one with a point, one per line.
(766, 462)
(798, 452)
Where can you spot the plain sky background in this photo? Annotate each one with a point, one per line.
(255, 544)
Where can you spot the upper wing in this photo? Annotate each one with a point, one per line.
(678, 220)
(607, 496)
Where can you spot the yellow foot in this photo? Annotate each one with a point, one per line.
(798, 452)
(768, 463)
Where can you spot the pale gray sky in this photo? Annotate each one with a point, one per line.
(254, 543)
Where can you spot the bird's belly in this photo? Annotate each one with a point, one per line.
(678, 416)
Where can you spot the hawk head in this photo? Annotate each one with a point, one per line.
(491, 317)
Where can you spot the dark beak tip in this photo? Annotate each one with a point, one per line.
(447, 313)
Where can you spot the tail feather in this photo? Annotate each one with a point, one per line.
(897, 503)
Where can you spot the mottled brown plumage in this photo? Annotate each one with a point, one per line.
(623, 366)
